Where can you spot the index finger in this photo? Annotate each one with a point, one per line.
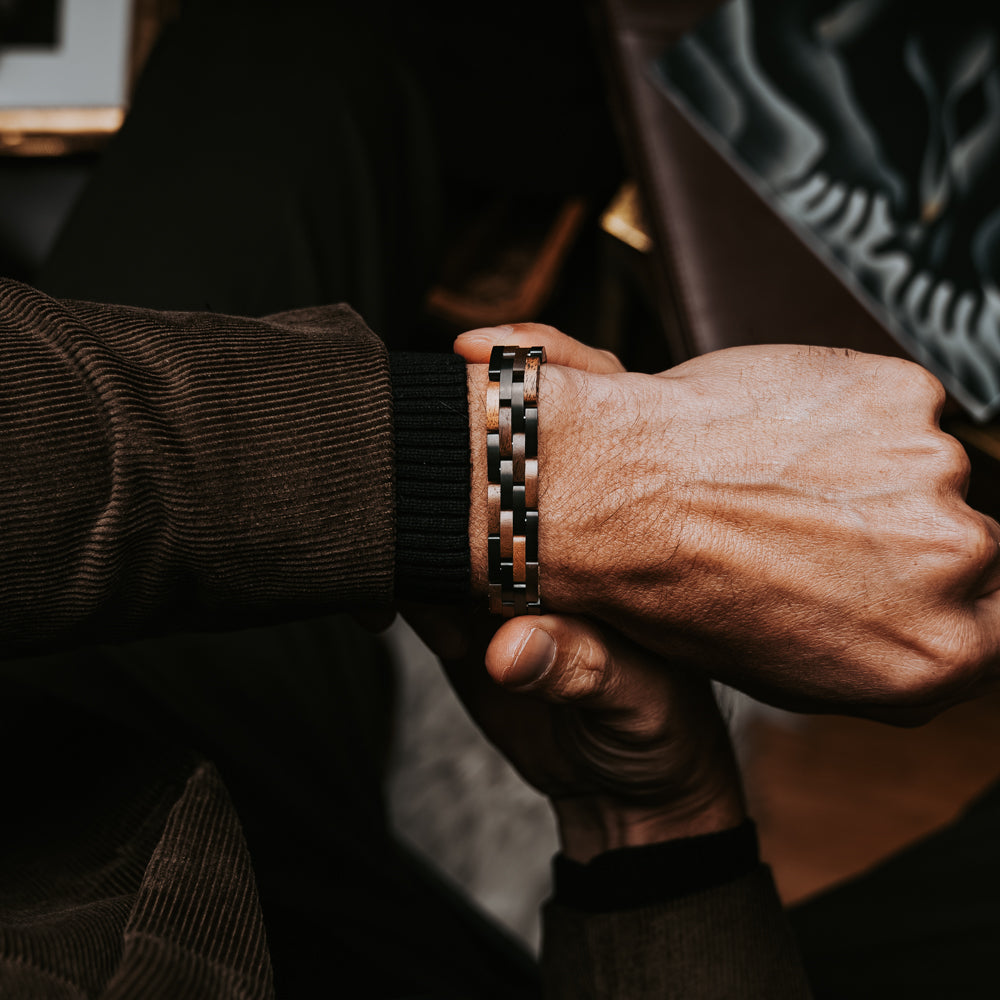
(560, 349)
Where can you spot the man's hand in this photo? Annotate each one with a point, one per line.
(629, 751)
(788, 519)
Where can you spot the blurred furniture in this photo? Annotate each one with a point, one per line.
(47, 151)
(726, 269)
(504, 263)
(723, 269)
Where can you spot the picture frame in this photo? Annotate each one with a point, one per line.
(68, 68)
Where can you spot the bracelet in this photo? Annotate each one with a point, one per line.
(512, 493)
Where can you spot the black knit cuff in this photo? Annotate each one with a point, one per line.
(633, 877)
(431, 429)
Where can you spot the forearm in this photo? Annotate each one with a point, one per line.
(188, 470)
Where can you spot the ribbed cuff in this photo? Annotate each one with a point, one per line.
(633, 877)
(432, 470)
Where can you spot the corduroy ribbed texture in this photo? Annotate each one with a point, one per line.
(66, 895)
(187, 469)
(196, 929)
(431, 429)
(156, 899)
(731, 942)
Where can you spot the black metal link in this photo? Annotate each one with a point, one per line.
(493, 456)
(507, 483)
(531, 535)
(517, 406)
(517, 505)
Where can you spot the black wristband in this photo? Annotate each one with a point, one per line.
(432, 470)
(633, 877)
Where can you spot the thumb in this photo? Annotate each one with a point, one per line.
(563, 659)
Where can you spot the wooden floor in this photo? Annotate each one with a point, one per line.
(832, 795)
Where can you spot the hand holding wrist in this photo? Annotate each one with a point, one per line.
(629, 750)
(764, 512)
(642, 786)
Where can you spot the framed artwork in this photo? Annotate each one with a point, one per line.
(872, 127)
(67, 68)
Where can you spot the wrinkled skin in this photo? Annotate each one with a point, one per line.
(628, 750)
(788, 519)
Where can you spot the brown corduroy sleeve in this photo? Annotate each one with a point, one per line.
(148, 891)
(187, 469)
(729, 942)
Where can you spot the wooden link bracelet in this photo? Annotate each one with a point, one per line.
(512, 494)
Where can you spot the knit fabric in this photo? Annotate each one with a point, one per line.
(725, 942)
(432, 470)
(632, 877)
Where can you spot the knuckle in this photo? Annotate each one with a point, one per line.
(583, 675)
(918, 682)
(981, 549)
(942, 664)
(951, 457)
(967, 545)
(611, 361)
(925, 387)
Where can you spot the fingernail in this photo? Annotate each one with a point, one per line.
(536, 655)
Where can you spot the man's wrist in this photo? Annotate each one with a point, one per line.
(566, 440)
(592, 825)
(614, 529)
